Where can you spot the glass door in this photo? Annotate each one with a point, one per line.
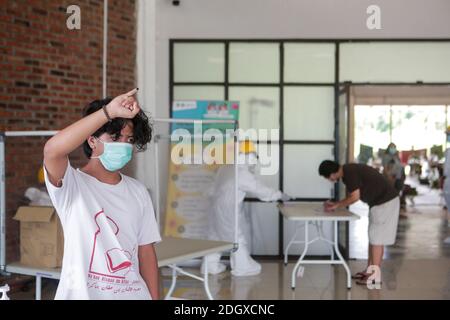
(343, 157)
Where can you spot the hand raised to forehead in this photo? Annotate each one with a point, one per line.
(124, 106)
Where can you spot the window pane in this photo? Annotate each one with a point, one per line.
(390, 62)
(309, 62)
(254, 62)
(198, 93)
(199, 62)
(264, 236)
(259, 107)
(300, 171)
(309, 113)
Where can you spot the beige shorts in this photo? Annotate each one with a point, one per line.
(383, 220)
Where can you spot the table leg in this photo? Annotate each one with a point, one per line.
(38, 287)
(205, 281)
(297, 265)
(322, 237)
(292, 241)
(172, 286)
(338, 253)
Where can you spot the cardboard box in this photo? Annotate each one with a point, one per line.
(41, 237)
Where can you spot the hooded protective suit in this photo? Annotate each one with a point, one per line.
(221, 222)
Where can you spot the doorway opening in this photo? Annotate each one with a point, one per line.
(414, 118)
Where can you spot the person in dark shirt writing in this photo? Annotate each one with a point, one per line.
(368, 185)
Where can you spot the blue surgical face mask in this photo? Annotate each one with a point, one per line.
(392, 150)
(115, 155)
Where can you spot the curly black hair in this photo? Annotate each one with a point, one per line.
(142, 129)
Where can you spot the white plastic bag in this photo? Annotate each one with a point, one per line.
(38, 197)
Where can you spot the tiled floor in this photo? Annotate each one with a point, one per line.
(416, 267)
(418, 279)
(419, 236)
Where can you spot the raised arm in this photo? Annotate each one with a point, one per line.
(57, 149)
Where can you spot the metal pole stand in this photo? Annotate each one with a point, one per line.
(3, 291)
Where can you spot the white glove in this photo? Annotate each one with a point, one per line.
(285, 197)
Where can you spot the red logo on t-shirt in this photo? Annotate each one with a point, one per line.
(107, 259)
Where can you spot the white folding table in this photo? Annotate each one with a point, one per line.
(170, 252)
(313, 213)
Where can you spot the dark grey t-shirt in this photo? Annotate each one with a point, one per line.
(374, 188)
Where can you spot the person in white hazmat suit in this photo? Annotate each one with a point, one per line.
(221, 222)
(447, 179)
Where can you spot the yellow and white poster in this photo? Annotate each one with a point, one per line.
(188, 198)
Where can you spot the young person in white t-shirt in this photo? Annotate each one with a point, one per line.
(107, 218)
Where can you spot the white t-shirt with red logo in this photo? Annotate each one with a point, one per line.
(103, 226)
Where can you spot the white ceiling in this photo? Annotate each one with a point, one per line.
(401, 91)
(401, 94)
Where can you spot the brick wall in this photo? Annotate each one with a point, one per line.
(47, 75)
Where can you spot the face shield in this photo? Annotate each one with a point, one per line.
(249, 160)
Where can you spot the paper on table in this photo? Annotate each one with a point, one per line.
(323, 211)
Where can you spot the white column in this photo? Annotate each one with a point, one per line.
(146, 82)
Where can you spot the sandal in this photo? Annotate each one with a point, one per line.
(359, 275)
(363, 281)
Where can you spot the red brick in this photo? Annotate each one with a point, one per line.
(34, 41)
